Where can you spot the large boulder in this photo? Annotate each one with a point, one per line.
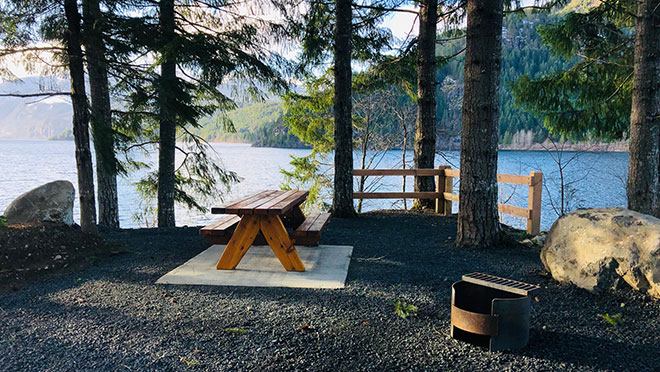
(598, 248)
(52, 202)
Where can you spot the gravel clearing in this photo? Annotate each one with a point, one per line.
(112, 317)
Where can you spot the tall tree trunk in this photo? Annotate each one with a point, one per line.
(167, 123)
(478, 224)
(425, 125)
(403, 155)
(644, 125)
(80, 119)
(342, 201)
(101, 119)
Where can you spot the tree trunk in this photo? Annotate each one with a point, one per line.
(478, 224)
(342, 202)
(80, 119)
(425, 125)
(101, 118)
(644, 126)
(403, 156)
(167, 123)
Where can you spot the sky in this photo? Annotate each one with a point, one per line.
(402, 25)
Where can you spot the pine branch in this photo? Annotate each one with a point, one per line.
(30, 95)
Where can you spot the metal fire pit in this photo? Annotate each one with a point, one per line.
(491, 312)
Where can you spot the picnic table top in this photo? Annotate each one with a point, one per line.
(272, 202)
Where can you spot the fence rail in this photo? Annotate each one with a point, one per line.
(444, 196)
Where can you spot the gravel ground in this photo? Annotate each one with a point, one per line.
(112, 317)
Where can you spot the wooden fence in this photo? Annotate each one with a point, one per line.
(444, 195)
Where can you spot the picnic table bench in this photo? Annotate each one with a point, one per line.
(263, 218)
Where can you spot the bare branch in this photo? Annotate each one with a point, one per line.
(30, 95)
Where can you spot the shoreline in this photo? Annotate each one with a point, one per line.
(618, 146)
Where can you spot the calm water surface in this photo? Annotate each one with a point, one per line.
(593, 179)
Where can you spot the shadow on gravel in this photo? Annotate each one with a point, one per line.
(113, 314)
(595, 352)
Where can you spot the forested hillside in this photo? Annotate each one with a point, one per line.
(522, 54)
(260, 124)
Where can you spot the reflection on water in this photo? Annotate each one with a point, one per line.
(593, 179)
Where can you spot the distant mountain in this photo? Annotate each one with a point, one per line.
(37, 117)
(51, 117)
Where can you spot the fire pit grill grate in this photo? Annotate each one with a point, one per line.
(503, 284)
(490, 311)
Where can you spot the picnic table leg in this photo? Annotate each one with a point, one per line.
(239, 243)
(294, 218)
(279, 241)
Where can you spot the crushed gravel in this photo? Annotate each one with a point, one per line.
(112, 317)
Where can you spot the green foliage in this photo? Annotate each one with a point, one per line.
(307, 174)
(377, 126)
(3, 222)
(614, 320)
(591, 98)
(198, 180)
(523, 54)
(188, 362)
(403, 309)
(237, 331)
(261, 124)
(206, 62)
(309, 117)
(316, 27)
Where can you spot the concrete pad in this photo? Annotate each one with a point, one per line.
(326, 266)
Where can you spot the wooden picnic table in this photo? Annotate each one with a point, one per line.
(266, 212)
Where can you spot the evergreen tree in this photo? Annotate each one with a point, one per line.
(342, 201)
(94, 27)
(478, 222)
(73, 39)
(327, 28)
(197, 48)
(426, 102)
(645, 114)
(610, 92)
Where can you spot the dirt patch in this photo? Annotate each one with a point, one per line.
(28, 253)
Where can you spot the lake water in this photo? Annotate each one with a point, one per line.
(593, 179)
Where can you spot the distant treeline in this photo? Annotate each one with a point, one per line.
(523, 54)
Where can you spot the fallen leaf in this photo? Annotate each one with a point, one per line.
(172, 300)
(196, 351)
(365, 323)
(305, 327)
(164, 294)
(536, 299)
(80, 300)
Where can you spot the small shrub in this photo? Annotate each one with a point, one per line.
(614, 319)
(188, 362)
(404, 310)
(3, 222)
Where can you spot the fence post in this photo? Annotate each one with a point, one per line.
(441, 188)
(534, 202)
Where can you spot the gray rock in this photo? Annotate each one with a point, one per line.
(600, 248)
(539, 239)
(52, 202)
